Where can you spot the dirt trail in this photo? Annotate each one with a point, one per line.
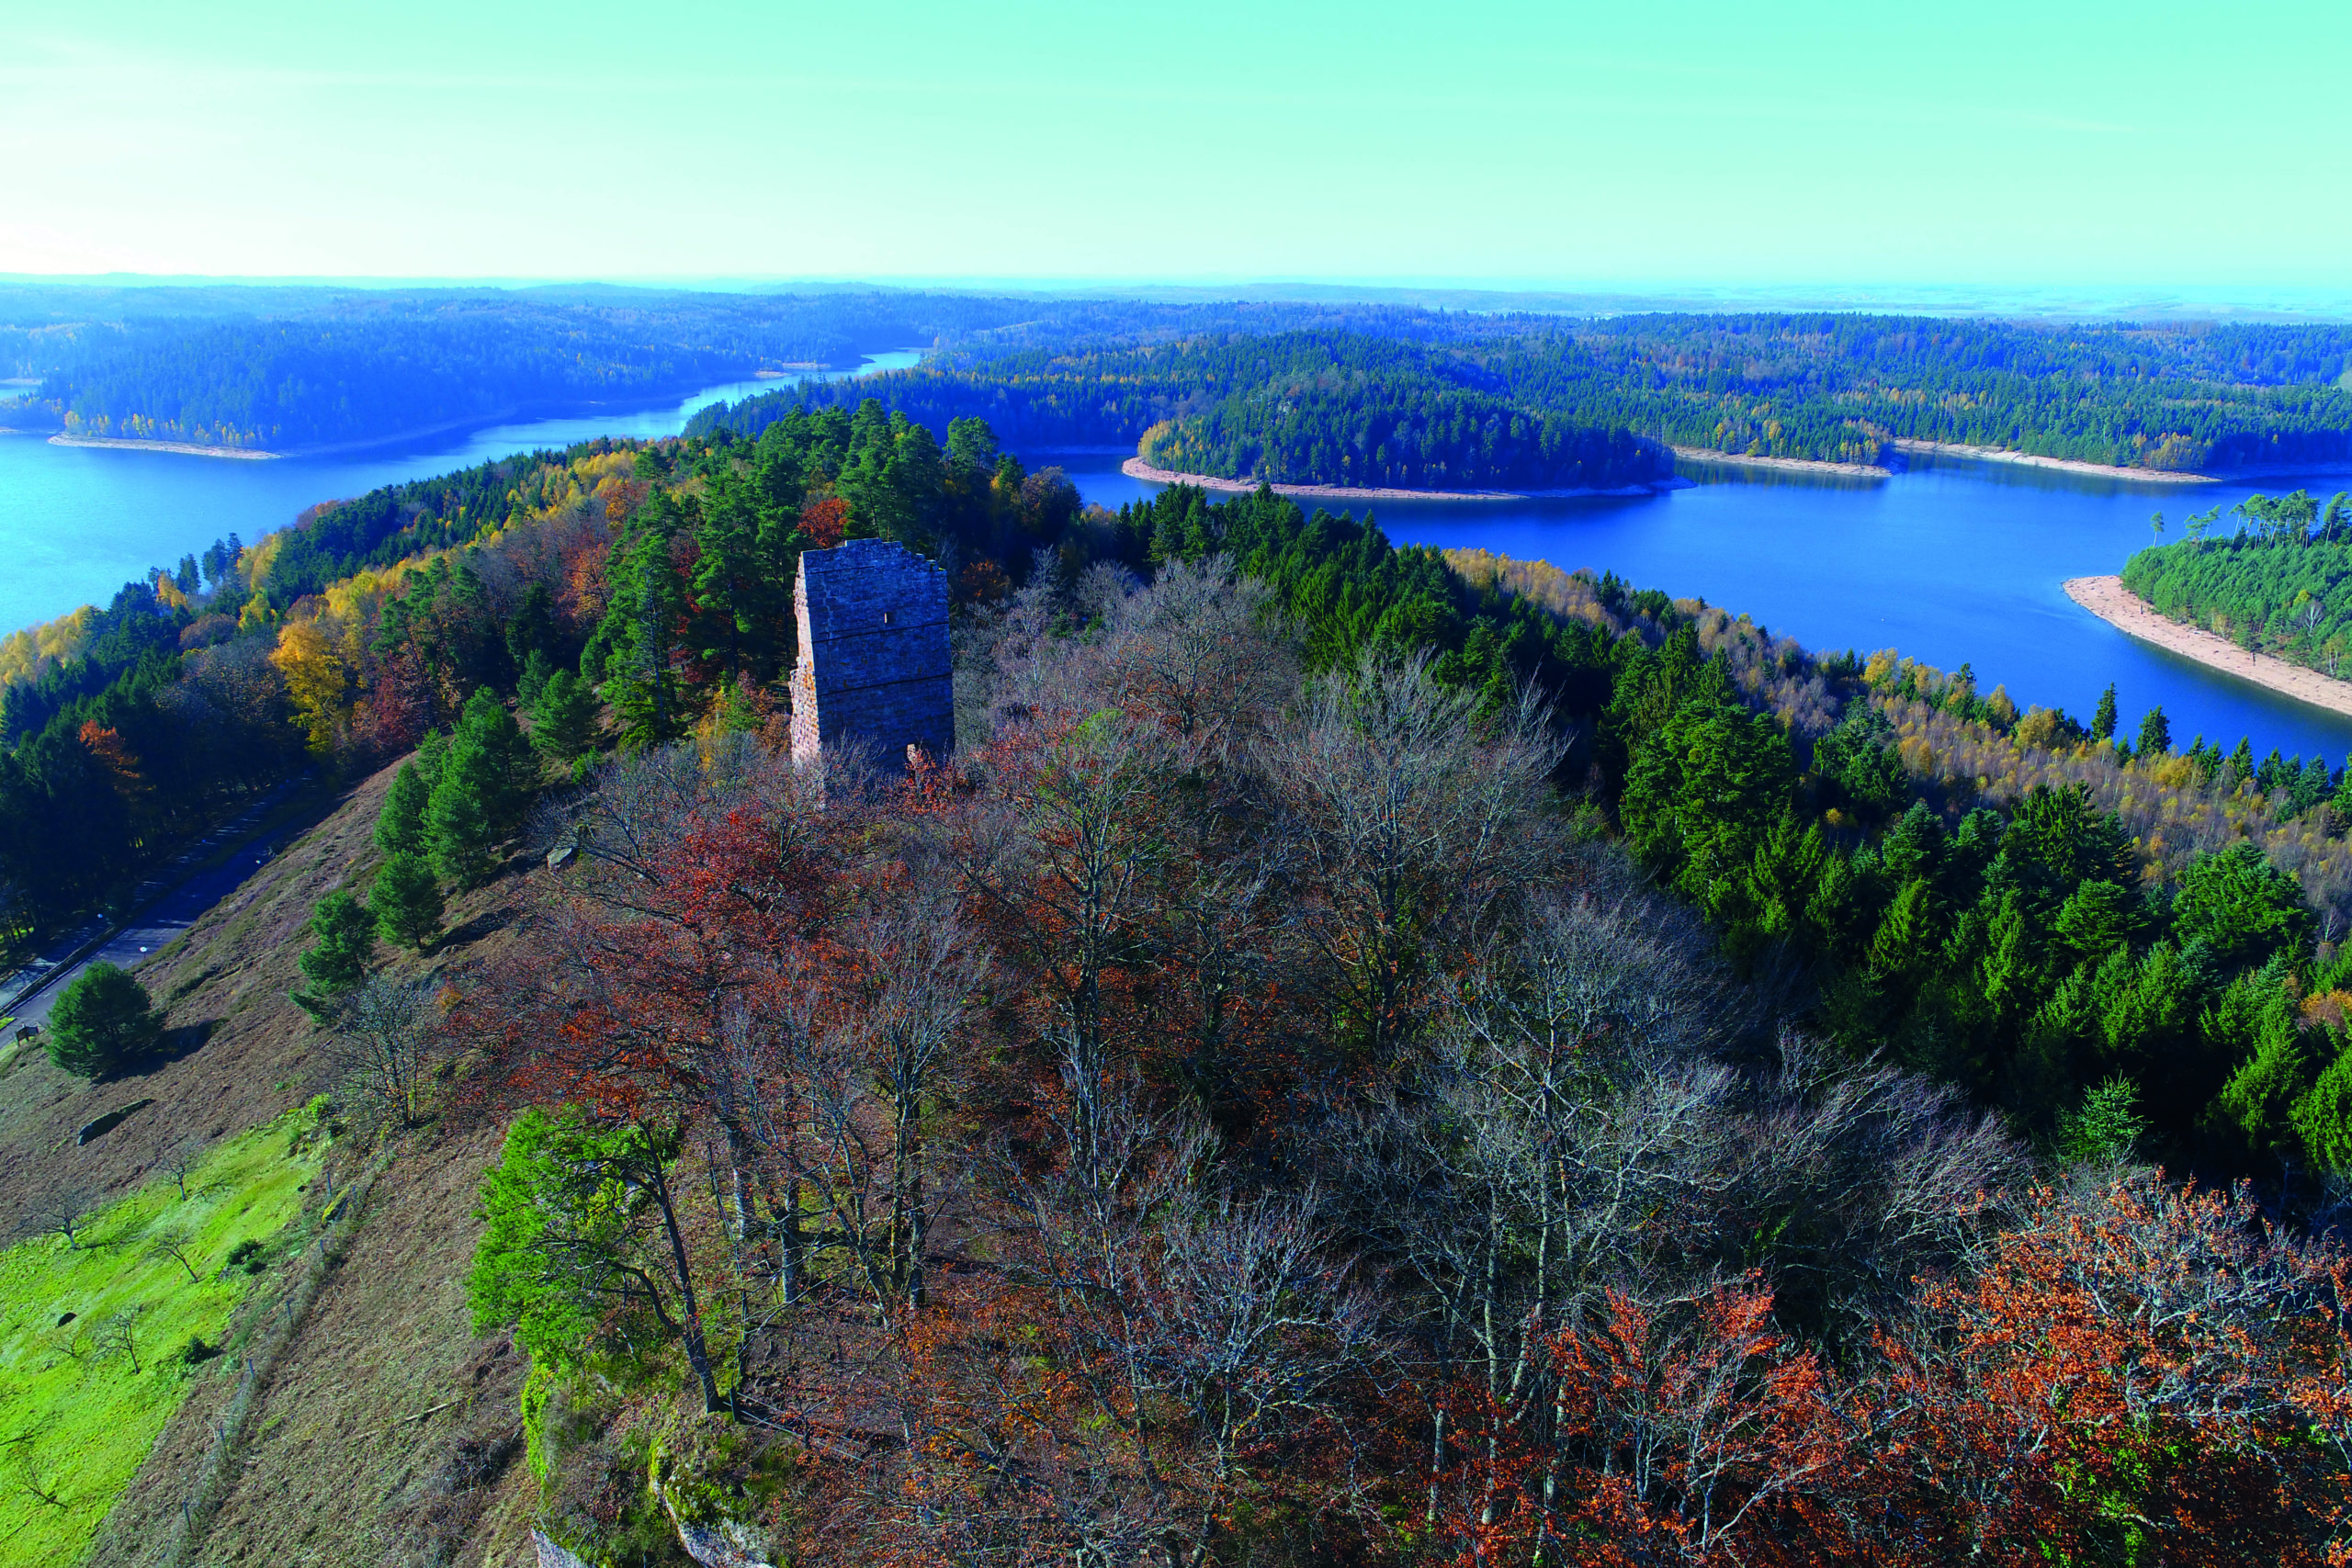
(2107, 598)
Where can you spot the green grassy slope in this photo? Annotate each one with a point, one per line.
(91, 1333)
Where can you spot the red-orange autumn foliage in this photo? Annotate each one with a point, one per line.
(2147, 1363)
(115, 755)
(825, 522)
(2133, 1374)
(1129, 1143)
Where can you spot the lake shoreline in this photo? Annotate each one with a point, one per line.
(1784, 465)
(2063, 464)
(183, 448)
(2107, 598)
(1137, 468)
(395, 440)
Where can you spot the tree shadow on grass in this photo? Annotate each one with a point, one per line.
(473, 930)
(173, 1046)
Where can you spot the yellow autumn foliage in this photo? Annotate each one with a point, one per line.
(318, 666)
(23, 653)
(343, 596)
(254, 563)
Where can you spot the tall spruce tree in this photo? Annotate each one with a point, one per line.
(407, 901)
(399, 823)
(2103, 719)
(457, 819)
(563, 721)
(633, 655)
(343, 931)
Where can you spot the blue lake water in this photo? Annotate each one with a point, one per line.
(1953, 561)
(1950, 562)
(78, 521)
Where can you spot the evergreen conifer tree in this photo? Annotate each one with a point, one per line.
(2103, 719)
(563, 721)
(337, 961)
(2155, 733)
(103, 1023)
(2241, 766)
(730, 593)
(2108, 1127)
(534, 679)
(499, 759)
(407, 901)
(633, 654)
(2255, 1108)
(2323, 1116)
(457, 819)
(400, 823)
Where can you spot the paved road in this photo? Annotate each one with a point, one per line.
(167, 909)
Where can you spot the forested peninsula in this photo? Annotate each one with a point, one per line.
(1326, 978)
(2273, 576)
(1451, 402)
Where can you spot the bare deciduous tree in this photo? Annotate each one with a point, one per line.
(28, 1476)
(1420, 821)
(65, 1212)
(118, 1336)
(180, 1162)
(179, 1246)
(875, 1076)
(387, 1039)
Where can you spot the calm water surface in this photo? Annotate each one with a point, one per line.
(78, 521)
(1952, 562)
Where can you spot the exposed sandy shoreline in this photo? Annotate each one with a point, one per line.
(1792, 464)
(185, 448)
(2107, 598)
(1137, 468)
(2065, 465)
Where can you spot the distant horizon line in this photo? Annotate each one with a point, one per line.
(2055, 300)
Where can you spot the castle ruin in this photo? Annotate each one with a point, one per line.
(873, 667)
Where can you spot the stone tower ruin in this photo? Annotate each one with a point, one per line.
(873, 667)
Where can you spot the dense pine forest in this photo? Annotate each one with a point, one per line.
(1360, 1055)
(1837, 388)
(2268, 576)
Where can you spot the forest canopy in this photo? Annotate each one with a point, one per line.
(1352, 1042)
(1821, 388)
(2276, 581)
(293, 368)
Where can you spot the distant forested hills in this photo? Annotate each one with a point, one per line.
(1823, 388)
(279, 368)
(361, 367)
(1317, 391)
(2167, 398)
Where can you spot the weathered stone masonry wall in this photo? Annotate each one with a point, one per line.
(874, 664)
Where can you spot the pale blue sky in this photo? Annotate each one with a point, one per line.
(1564, 144)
